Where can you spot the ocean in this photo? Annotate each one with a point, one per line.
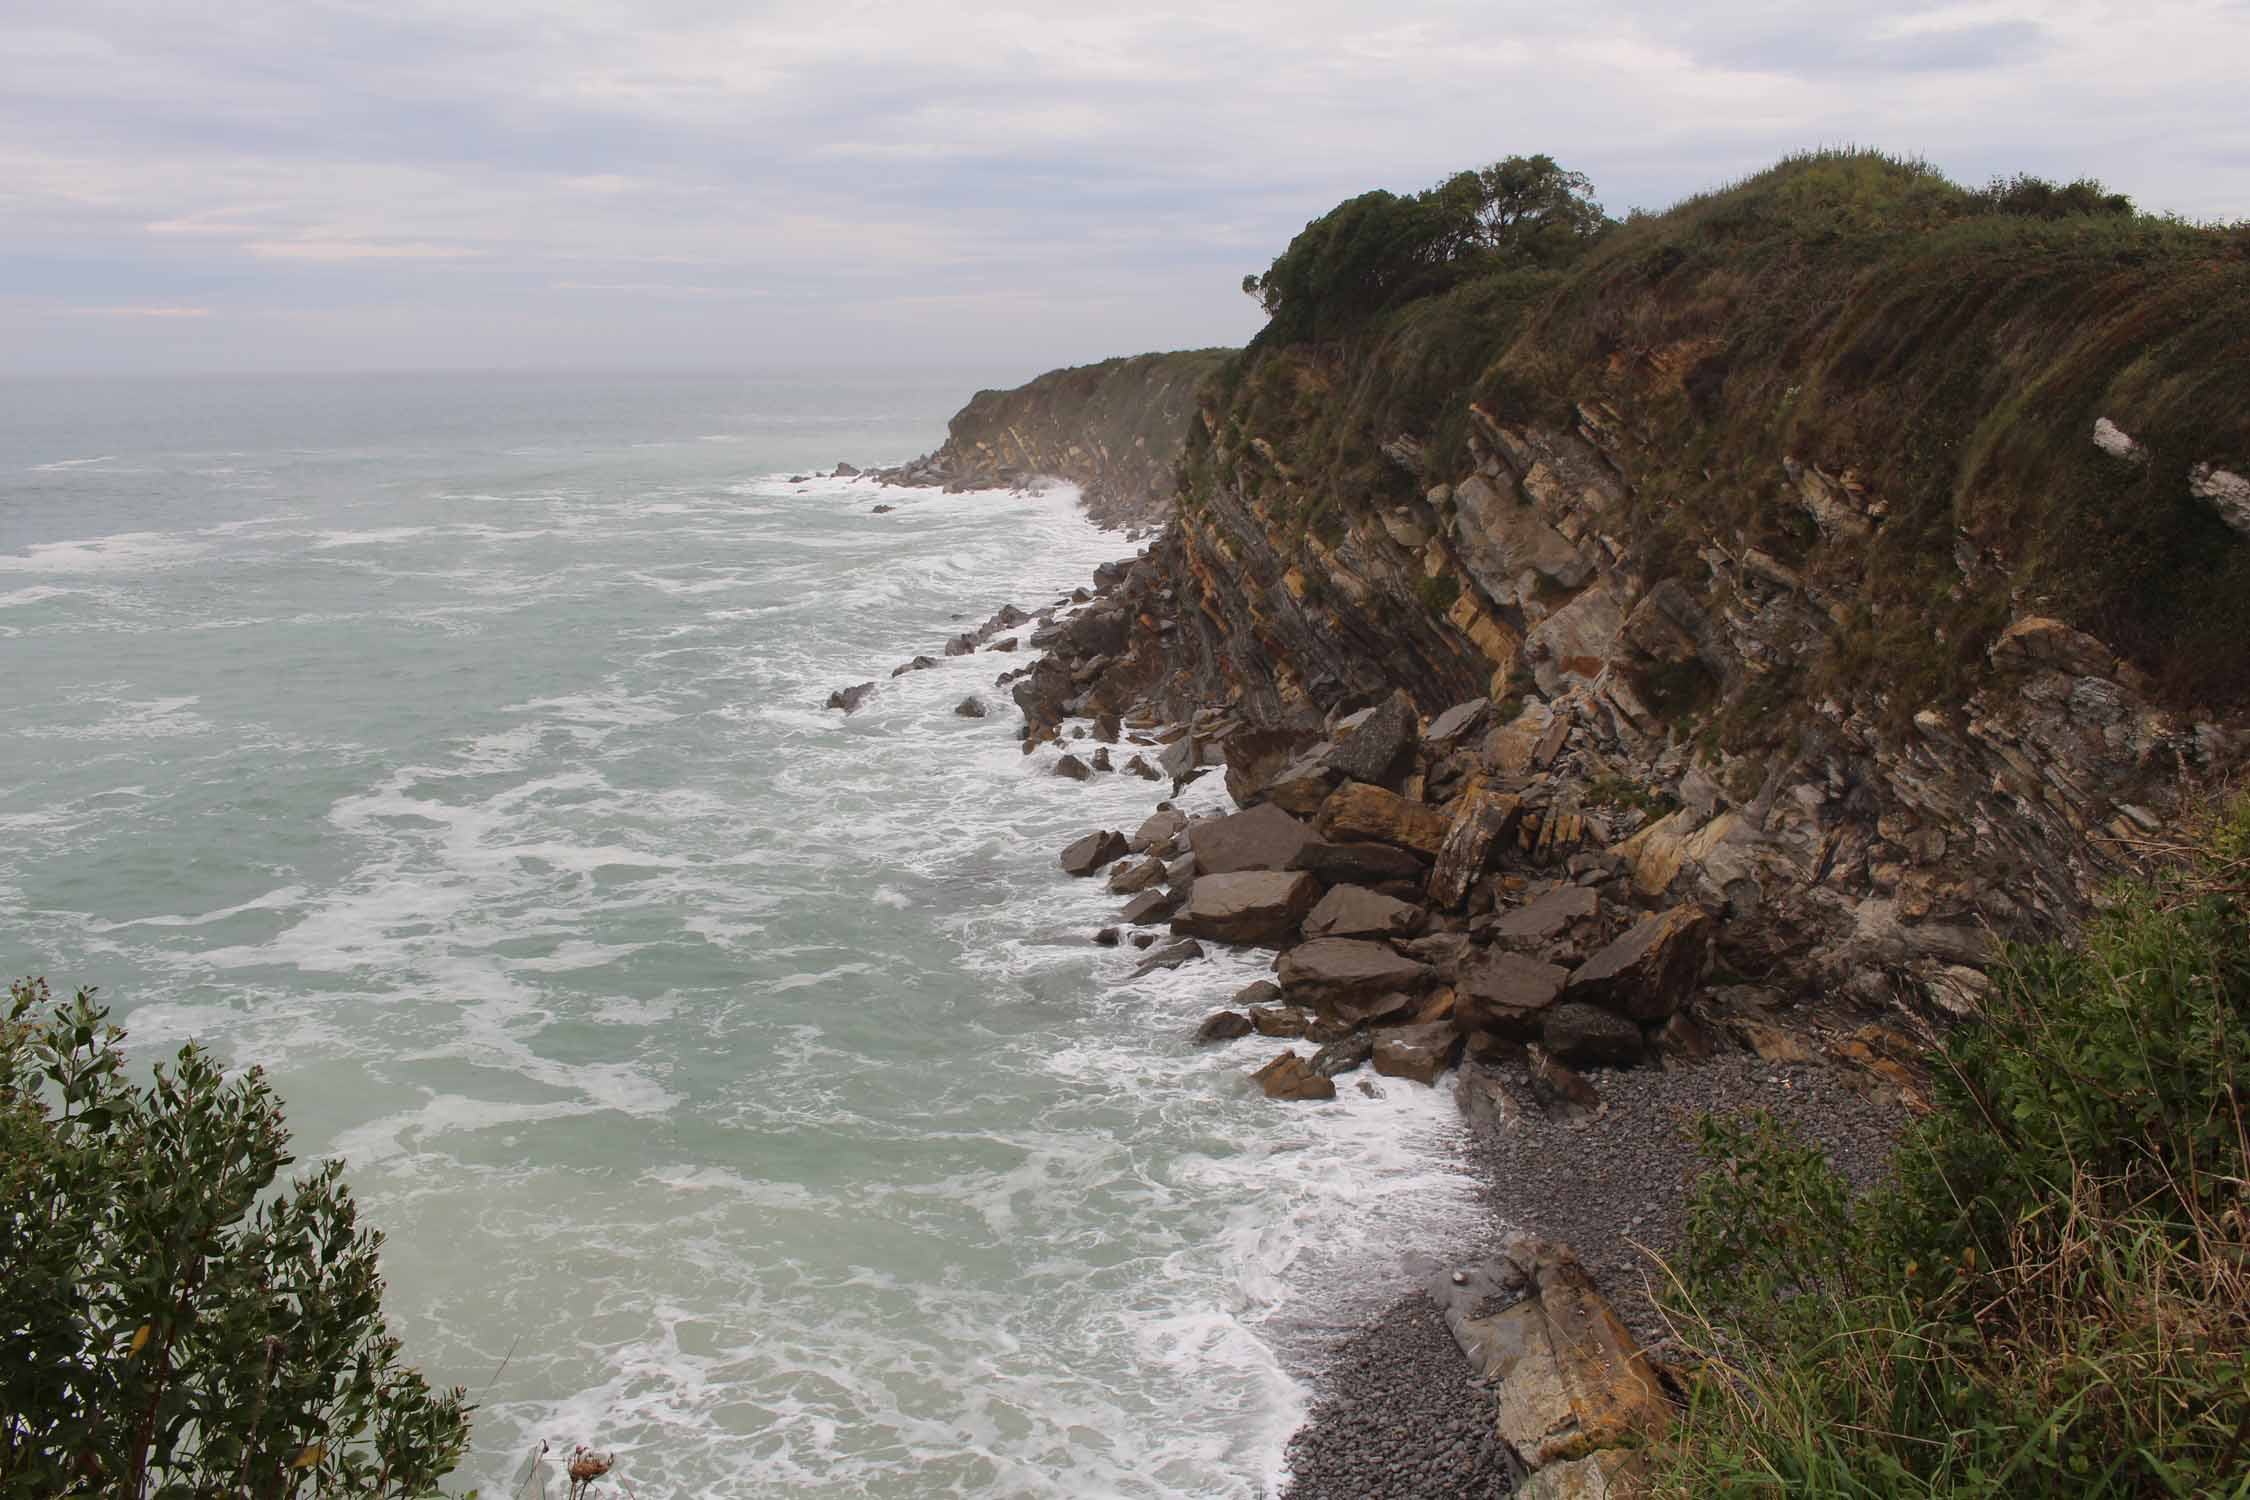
(453, 748)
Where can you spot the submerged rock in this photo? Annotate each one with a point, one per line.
(849, 699)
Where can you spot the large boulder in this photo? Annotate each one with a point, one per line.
(1158, 827)
(1130, 879)
(1651, 970)
(1457, 724)
(1255, 754)
(1149, 908)
(1482, 820)
(1263, 838)
(1376, 745)
(1291, 1077)
(1359, 864)
(1507, 994)
(1353, 911)
(1350, 977)
(1358, 812)
(1545, 917)
(1417, 1052)
(1257, 907)
(1222, 1026)
(1587, 1036)
(1302, 785)
(1085, 856)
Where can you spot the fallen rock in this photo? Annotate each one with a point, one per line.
(1481, 822)
(1108, 937)
(1263, 838)
(1419, 1053)
(1350, 978)
(1588, 1036)
(1255, 754)
(1159, 826)
(1170, 956)
(1143, 769)
(1072, 767)
(1149, 908)
(1359, 864)
(1376, 745)
(1222, 1026)
(1130, 880)
(1291, 1077)
(1343, 1055)
(1545, 917)
(1457, 724)
(1357, 812)
(1280, 1020)
(1352, 911)
(849, 699)
(1261, 908)
(960, 645)
(1571, 1381)
(919, 664)
(1086, 855)
(1258, 992)
(971, 708)
(1651, 970)
(1508, 994)
(1561, 1093)
(1302, 785)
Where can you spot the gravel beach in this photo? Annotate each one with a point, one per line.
(1396, 1415)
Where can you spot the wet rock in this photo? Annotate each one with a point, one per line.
(1651, 970)
(1348, 977)
(919, 664)
(1130, 879)
(971, 708)
(1263, 838)
(1073, 768)
(849, 699)
(960, 645)
(1419, 1053)
(1179, 873)
(1343, 1055)
(1258, 992)
(1100, 762)
(1508, 994)
(1260, 908)
(1108, 937)
(1160, 826)
(1588, 1036)
(1359, 864)
(1149, 908)
(1357, 812)
(1107, 728)
(1170, 956)
(1351, 911)
(1143, 769)
(1085, 856)
(1291, 1077)
(1222, 1026)
(1284, 1021)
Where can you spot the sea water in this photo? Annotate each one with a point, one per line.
(734, 1080)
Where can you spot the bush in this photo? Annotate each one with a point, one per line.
(168, 1325)
(2053, 1298)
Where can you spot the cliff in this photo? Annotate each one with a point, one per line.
(1840, 553)
(1114, 429)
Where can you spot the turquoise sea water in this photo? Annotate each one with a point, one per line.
(453, 747)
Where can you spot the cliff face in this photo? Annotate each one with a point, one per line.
(1114, 429)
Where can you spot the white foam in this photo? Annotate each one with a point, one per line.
(71, 463)
(123, 552)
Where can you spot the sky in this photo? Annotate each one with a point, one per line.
(292, 185)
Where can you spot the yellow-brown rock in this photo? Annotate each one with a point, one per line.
(1357, 812)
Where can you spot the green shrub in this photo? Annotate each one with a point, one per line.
(169, 1325)
(1439, 592)
(2053, 1296)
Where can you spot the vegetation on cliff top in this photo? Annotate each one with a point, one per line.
(2054, 1296)
(1949, 349)
(169, 1324)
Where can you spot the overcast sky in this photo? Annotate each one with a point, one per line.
(347, 184)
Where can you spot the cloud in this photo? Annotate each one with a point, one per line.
(143, 312)
(1039, 180)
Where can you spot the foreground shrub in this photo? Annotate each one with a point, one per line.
(169, 1325)
(2053, 1297)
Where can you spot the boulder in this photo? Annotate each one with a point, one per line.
(1291, 1077)
(919, 664)
(1482, 821)
(1377, 745)
(1353, 911)
(1357, 812)
(1545, 917)
(849, 699)
(1072, 767)
(1560, 1092)
(1263, 838)
(1258, 992)
(1457, 724)
(1302, 785)
(1222, 1026)
(971, 708)
(1101, 762)
(1442, 951)
(1580, 1383)
(1255, 754)
(1359, 864)
(960, 645)
(1349, 977)
(1651, 970)
(1085, 856)
(1180, 873)
(1257, 907)
(1588, 1036)
(1130, 879)
(1417, 1052)
(1149, 908)
(1280, 1020)
(1163, 824)
(1143, 769)
(1170, 956)
(1507, 994)
(1344, 1054)
(1107, 728)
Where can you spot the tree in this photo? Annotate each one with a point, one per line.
(169, 1326)
(1379, 249)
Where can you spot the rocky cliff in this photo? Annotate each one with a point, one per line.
(1114, 429)
(1853, 564)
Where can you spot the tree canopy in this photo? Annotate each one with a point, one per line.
(1379, 249)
